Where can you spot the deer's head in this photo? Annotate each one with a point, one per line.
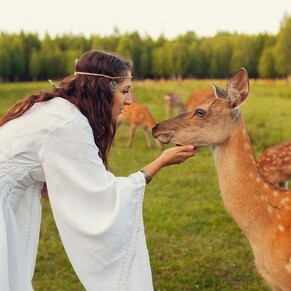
(210, 122)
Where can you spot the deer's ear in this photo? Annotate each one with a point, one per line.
(219, 92)
(238, 88)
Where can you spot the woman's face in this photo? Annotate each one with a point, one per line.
(121, 98)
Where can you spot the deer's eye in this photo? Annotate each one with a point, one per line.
(200, 113)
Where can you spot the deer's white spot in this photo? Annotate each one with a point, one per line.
(285, 200)
(281, 227)
(288, 266)
(270, 209)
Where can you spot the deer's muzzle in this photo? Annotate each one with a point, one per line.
(163, 137)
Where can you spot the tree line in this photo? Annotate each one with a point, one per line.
(26, 57)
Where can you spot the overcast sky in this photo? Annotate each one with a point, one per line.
(149, 17)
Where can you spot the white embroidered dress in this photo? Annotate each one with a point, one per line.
(98, 215)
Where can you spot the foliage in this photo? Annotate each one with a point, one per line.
(283, 48)
(193, 242)
(26, 57)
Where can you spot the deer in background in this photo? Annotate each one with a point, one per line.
(261, 210)
(173, 104)
(138, 115)
(275, 164)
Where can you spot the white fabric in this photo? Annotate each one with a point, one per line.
(98, 215)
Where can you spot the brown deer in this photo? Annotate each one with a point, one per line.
(173, 104)
(261, 210)
(197, 97)
(275, 164)
(138, 115)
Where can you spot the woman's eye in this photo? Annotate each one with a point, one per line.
(125, 91)
(200, 113)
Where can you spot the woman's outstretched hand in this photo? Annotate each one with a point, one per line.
(176, 155)
(170, 156)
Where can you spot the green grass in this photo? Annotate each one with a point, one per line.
(193, 243)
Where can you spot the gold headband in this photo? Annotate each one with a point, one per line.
(102, 75)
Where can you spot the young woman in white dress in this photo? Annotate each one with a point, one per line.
(57, 144)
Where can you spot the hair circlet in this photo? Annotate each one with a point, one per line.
(112, 83)
(102, 75)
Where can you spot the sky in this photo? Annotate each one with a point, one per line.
(153, 18)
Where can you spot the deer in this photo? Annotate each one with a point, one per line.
(138, 115)
(275, 164)
(197, 97)
(260, 209)
(173, 103)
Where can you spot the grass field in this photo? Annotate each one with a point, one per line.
(193, 242)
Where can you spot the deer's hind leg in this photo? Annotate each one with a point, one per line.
(131, 135)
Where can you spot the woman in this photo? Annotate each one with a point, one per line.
(58, 143)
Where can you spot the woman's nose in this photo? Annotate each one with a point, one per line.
(128, 100)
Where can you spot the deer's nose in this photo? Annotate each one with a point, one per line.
(155, 127)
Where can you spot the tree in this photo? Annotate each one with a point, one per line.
(35, 64)
(192, 66)
(12, 57)
(266, 65)
(205, 54)
(5, 57)
(222, 52)
(18, 60)
(283, 48)
(30, 42)
(159, 61)
(25, 57)
(146, 58)
(49, 62)
(242, 55)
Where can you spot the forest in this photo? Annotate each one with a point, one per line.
(26, 57)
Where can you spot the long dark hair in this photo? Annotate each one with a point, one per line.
(91, 94)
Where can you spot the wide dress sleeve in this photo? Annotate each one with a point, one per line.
(98, 215)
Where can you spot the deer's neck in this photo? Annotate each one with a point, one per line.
(242, 186)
